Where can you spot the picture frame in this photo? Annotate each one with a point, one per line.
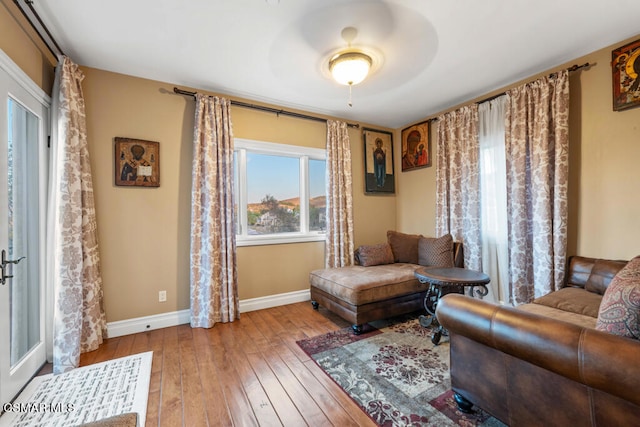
(378, 161)
(137, 162)
(625, 66)
(416, 146)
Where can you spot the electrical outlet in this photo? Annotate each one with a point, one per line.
(162, 296)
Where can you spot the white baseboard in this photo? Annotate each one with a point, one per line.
(165, 320)
(147, 323)
(259, 303)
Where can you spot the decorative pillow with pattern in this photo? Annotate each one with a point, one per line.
(404, 246)
(619, 312)
(375, 255)
(436, 251)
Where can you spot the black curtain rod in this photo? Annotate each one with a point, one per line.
(43, 27)
(268, 109)
(572, 68)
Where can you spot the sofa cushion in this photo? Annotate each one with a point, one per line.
(620, 309)
(368, 255)
(404, 246)
(555, 313)
(573, 300)
(602, 274)
(359, 285)
(436, 251)
(579, 270)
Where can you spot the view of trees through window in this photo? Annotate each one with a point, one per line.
(273, 216)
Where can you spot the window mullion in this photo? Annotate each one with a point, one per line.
(242, 189)
(304, 194)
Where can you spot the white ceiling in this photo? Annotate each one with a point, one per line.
(435, 54)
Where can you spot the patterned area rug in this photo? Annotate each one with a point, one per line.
(85, 394)
(394, 372)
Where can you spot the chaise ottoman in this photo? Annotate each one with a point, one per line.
(384, 284)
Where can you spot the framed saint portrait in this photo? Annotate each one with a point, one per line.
(416, 146)
(137, 163)
(378, 161)
(625, 64)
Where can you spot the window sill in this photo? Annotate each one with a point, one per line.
(279, 240)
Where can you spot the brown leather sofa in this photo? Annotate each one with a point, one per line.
(579, 299)
(533, 369)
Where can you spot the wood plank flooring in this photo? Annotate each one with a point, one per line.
(247, 373)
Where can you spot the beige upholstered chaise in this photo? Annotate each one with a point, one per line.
(382, 286)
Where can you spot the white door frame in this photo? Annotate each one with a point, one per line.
(21, 88)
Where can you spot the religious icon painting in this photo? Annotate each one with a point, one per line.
(625, 64)
(137, 162)
(378, 161)
(416, 147)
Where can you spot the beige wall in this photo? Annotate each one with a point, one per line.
(24, 47)
(605, 177)
(144, 232)
(604, 184)
(416, 196)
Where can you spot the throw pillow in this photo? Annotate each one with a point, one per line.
(436, 252)
(404, 246)
(375, 255)
(620, 307)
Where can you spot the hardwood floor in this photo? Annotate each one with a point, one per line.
(247, 373)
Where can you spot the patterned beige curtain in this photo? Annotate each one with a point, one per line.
(214, 274)
(458, 181)
(74, 259)
(339, 242)
(537, 151)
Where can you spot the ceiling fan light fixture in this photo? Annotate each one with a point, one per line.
(350, 68)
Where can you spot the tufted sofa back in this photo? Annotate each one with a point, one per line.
(592, 274)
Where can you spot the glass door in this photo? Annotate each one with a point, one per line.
(23, 124)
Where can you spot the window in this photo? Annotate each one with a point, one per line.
(493, 197)
(280, 193)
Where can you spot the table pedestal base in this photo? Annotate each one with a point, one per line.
(444, 281)
(429, 320)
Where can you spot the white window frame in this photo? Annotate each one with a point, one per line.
(304, 154)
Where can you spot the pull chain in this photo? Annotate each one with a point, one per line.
(350, 103)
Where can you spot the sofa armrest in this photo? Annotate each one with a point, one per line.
(599, 360)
